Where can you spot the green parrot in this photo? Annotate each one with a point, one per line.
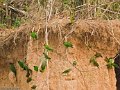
(12, 68)
(43, 66)
(34, 35)
(66, 71)
(98, 55)
(29, 79)
(68, 44)
(94, 62)
(46, 56)
(36, 68)
(47, 47)
(23, 65)
(74, 63)
(110, 63)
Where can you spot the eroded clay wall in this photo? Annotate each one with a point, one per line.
(84, 76)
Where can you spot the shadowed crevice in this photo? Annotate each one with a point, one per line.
(117, 71)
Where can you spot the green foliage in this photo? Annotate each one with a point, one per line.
(110, 63)
(36, 68)
(16, 23)
(103, 9)
(75, 8)
(43, 66)
(68, 44)
(34, 87)
(72, 2)
(34, 35)
(66, 71)
(72, 18)
(12, 68)
(70, 5)
(2, 25)
(66, 2)
(29, 79)
(115, 6)
(48, 48)
(43, 3)
(79, 2)
(2, 1)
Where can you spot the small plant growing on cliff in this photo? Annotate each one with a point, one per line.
(70, 5)
(16, 23)
(72, 17)
(110, 63)
(93, 59)
(65, 2)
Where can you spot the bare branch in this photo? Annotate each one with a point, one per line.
(18, 10)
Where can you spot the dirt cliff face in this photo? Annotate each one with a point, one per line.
(82, 77)
(87, 39)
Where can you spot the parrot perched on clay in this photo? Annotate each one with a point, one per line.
(43, 66)
(66, 71)
(12, 74)
(68, 44)
(46, 56)
(34, 35)
(12, 68)
(48, 48)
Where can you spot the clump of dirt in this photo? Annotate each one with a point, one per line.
(87, 37)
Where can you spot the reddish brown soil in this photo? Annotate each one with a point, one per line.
(88, 38)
